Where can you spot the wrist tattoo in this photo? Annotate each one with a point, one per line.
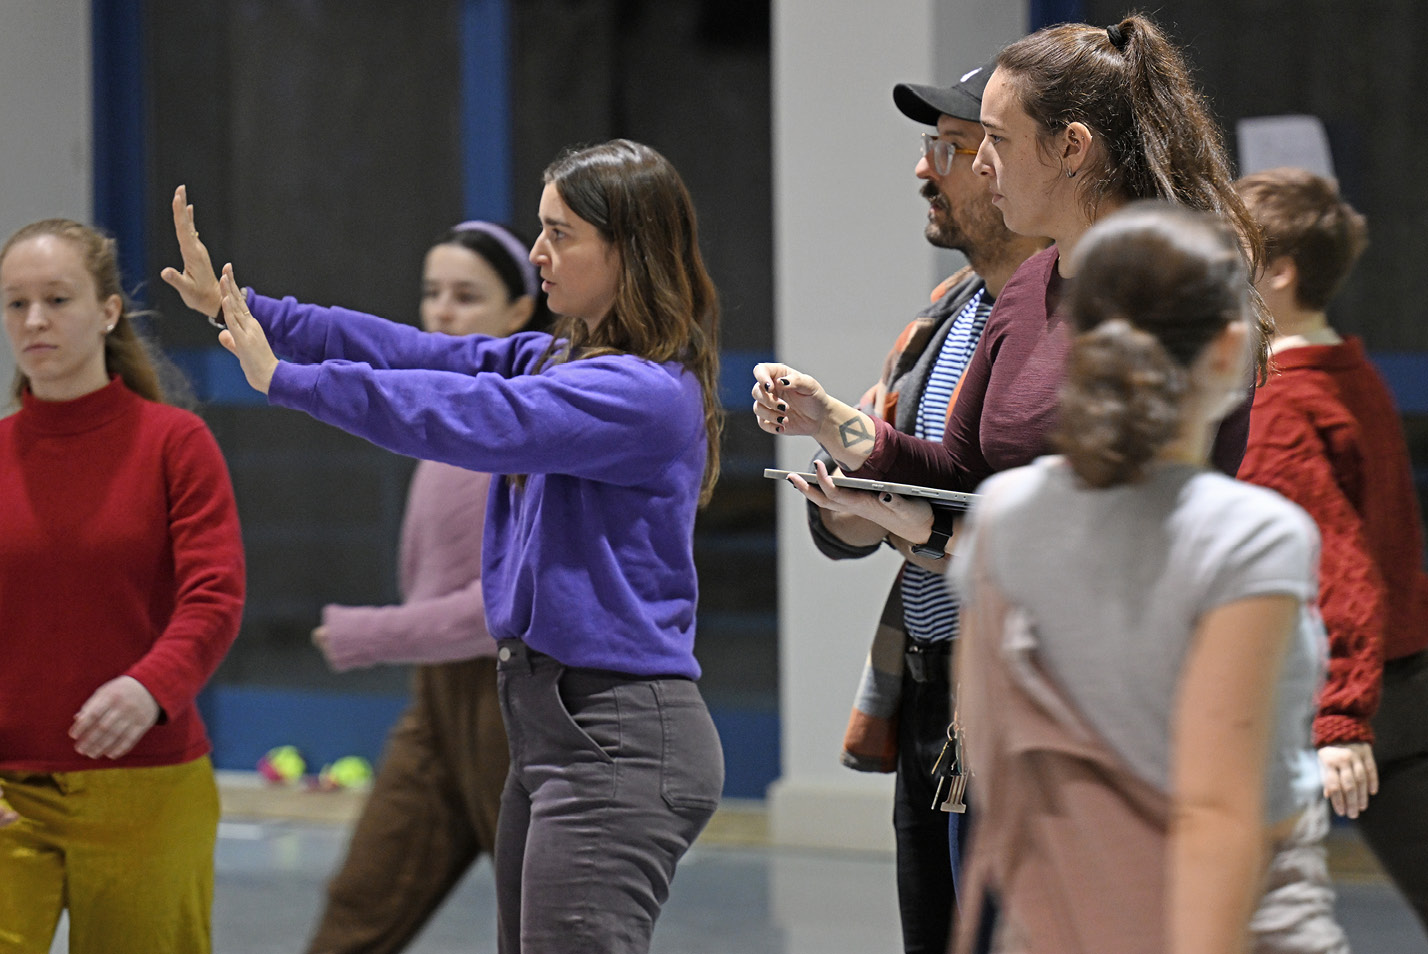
(853, 431)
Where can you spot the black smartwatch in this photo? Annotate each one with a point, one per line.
(942, 527)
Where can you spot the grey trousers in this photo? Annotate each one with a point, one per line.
(612, 778)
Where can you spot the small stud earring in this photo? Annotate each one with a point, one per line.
(1070, 173)
(108, 328)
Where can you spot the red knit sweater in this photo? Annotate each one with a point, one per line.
(119, 554)
(1325, 433)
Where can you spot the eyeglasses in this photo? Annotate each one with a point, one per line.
(940, 152)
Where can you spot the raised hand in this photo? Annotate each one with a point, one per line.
(244, 336)
(197, 284)
(114, 718)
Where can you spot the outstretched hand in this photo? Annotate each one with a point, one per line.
(244, 336)
(905, 517)
(197, 284)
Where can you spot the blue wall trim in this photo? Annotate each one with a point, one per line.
(1407, 375)
(1040, 13)
(245, 722)
(486, 110)
(118, 120)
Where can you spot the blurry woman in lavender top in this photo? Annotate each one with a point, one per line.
(434, 804)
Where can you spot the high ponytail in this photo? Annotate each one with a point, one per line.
(1154, 286)
(1132, 88)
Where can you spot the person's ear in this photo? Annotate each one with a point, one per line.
(113, 309)
(1076, 140)
(1281, 274)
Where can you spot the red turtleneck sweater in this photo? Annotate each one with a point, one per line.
(119, 554)
(1324, 432)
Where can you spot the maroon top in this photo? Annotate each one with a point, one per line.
(1005, 406)
(1326, 435)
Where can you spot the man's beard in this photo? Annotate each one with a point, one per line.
(942, 230)
(976, 230)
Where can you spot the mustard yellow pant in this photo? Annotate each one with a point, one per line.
(128, 851)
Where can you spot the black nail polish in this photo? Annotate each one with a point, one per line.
(767, 386)
(783, 381)
(781, 420)
(886, 498)
(782, 406)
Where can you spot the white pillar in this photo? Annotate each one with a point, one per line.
(44, 115)
(851, 268)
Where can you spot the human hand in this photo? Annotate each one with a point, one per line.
(1350, 776)
(197, 284)
(320, 640)
(244, 336)
(114, 718)
(906, 517)
(8, 815)
(788, 401)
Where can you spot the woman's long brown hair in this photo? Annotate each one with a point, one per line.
(666, 307)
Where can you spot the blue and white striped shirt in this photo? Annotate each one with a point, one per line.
(929, 610)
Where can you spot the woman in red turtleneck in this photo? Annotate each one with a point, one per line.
(121, 587)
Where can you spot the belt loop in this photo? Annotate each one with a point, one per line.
(512, 653)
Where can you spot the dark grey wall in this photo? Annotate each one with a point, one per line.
(1360, 67)
(321, 145)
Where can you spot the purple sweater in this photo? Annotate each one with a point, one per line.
(592, 561)
(443, 615)
(1004, 409)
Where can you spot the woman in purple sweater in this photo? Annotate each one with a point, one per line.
(434, 804)
(610, 430)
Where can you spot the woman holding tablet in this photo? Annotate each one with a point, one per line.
(609, 430)
(1079, 120)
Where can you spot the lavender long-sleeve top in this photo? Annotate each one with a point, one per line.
(590, 562)
(442, 617)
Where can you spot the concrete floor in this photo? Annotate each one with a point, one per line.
(734, 893)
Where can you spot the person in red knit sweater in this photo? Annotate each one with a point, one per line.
(121, 588)
(1325, 433)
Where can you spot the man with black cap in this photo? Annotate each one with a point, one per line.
(901, 716)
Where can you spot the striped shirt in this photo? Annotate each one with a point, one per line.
(929, 611)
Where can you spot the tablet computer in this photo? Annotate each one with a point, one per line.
(946, 498)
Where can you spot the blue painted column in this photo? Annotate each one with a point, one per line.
(118, 121)
(486, 109)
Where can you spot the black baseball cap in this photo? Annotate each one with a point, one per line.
(961, 100)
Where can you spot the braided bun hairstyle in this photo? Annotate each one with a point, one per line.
(1154, 285)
